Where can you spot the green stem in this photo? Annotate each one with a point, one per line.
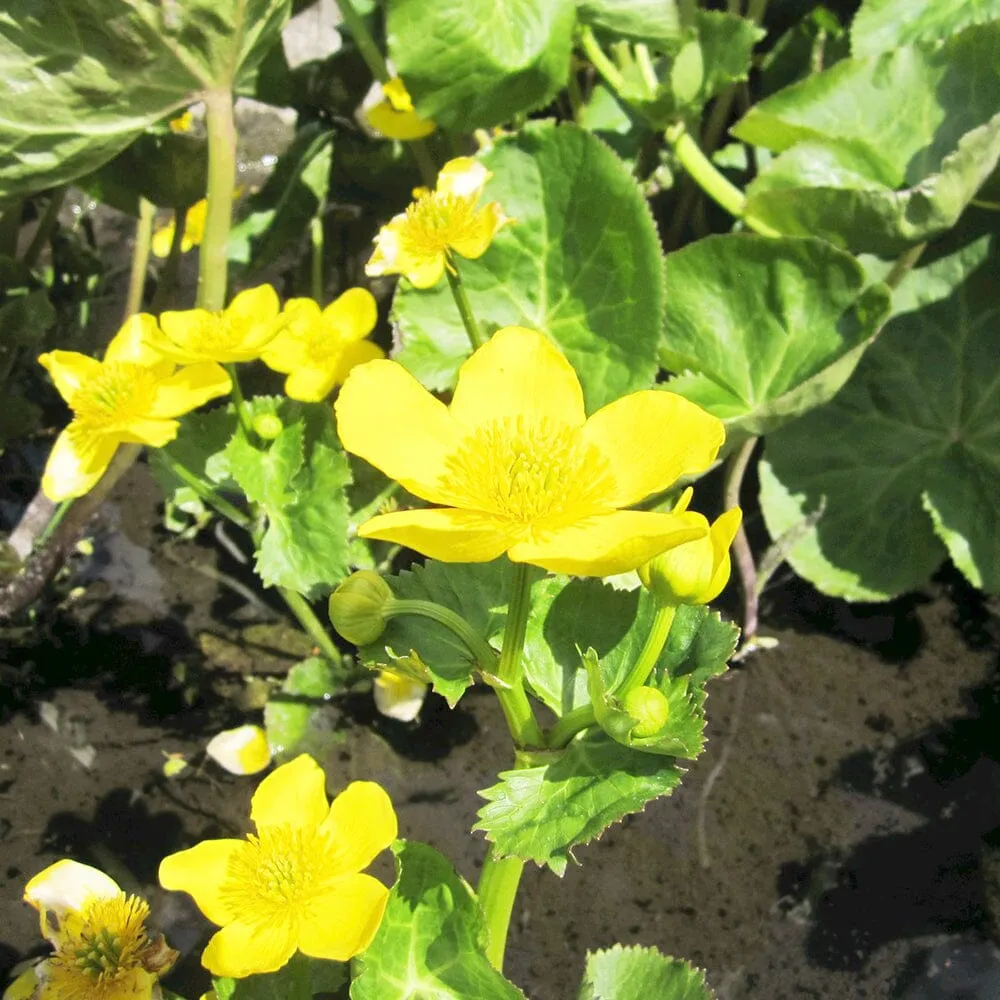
(746, 565)
(480, 649)
(140, 258)
(57, 515)
(469, 321)
(576, 101)
(655, 641)
(603, 65)
(376, 503)
(904, 264)
(570, 724)
(425, 162)
(205, 491)
(646, 68)
(45, 226)
(300, 607)
(242, 409)
(497, 890)
(213, 263)
(316, 269)
(10, 227)
(363, 40)
(513, 698)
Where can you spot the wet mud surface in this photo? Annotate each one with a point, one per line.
(836, 840)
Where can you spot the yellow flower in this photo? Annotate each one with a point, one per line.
(394, 115)
(182, 123)
(131, 397)
(316, 349)
(297, 884)
(397, 696)
(102, 948)
(697, 571)
(240, 332)
(243, 750)
(194, 230)
(518, 466)
(445, 220)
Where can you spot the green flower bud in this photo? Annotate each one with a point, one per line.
(649, 707)
(356, 607)
(267, 426)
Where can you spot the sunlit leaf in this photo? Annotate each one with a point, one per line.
(635, 973)
(887, 24)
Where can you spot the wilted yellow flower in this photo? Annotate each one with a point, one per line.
(518, 466)
(697, 571)
(446, 220)
(103, 950)
(394, 115)
(240, 332)
(397, 696)
(194, 231)
(243, 750)
(317, 348)
(131, 397)
(297, 884)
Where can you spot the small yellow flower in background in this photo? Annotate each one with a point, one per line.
(102, 948)
(394, 115)
(194, 231)
(398, 697)
(446, 220)
(243, 750)
(182, 123)
(697, 571)
(517, 465)
(295, 885)
(240, 332)
(133, 396)
(317, 348)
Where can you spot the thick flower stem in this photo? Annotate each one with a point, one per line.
(205, 491)
(242, 409)
(569, 725)
(497, 890)
(140, 258)
(307, 618)
(469, 321)
(477, 646)
(213, 263)
(655, 641)
(745, 564)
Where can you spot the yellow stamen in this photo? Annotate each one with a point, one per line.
(121, 393)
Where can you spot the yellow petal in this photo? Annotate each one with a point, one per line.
(293, 794)
(421, 272)
(463, 177)
(25, 985)
(605, 544)
(254, 306)
(182, 340)
(245, 949)
(243, 750)
(722, 532)
(445, 533)
(486, 223)
(310, 385)
(69, 371)
(71, 472)
(189, 388)
(362, 823)
(385, 416)
(388, 248)
(152, 432)
(398, 697)
(201, 871)
(162, 240)
(67, 885)
(353, 355)
(353, 314)
(517, 372)
(403, 125)
(134, 341)
(347, 916)
(650, 439)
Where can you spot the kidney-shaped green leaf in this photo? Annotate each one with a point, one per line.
(887, 24)
(635, 973)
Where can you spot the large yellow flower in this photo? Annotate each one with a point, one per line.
(240, 332)
(518, 466)
(131, 397)
(445, 220)
(297, 884)
(103, 950)
(394, 115)
(317, 348)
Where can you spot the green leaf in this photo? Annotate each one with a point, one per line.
(24, 319)
(324, 977)
(915, 430)
(288, 716)
(888, 24)
(897, 174)
(432, 939)
(428, 650)
(656, 22)
(305, 546)
(541, 813)
(583, 263)
(264, 469)
(765, 329)
(472, 64)
(92, 75)
(167, 169)
(635, 973)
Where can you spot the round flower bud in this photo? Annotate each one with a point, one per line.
(649, 707)
(356, 607)
(267, 426)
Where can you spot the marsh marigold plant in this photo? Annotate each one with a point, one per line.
(517, 467)
(297, 884)
(394, 115)
(418, 242)
(133, 396)
(103, 950)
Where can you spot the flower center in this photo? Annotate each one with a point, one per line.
(216, 334)
(101, 947)
(533, 471)
(123, 392)
(436, 220)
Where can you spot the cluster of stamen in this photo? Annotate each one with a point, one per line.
(121, 393)
(436, 220)
(530, 471)
(216, 333)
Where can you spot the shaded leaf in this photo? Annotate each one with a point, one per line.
(324, 977)
(656, 22)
